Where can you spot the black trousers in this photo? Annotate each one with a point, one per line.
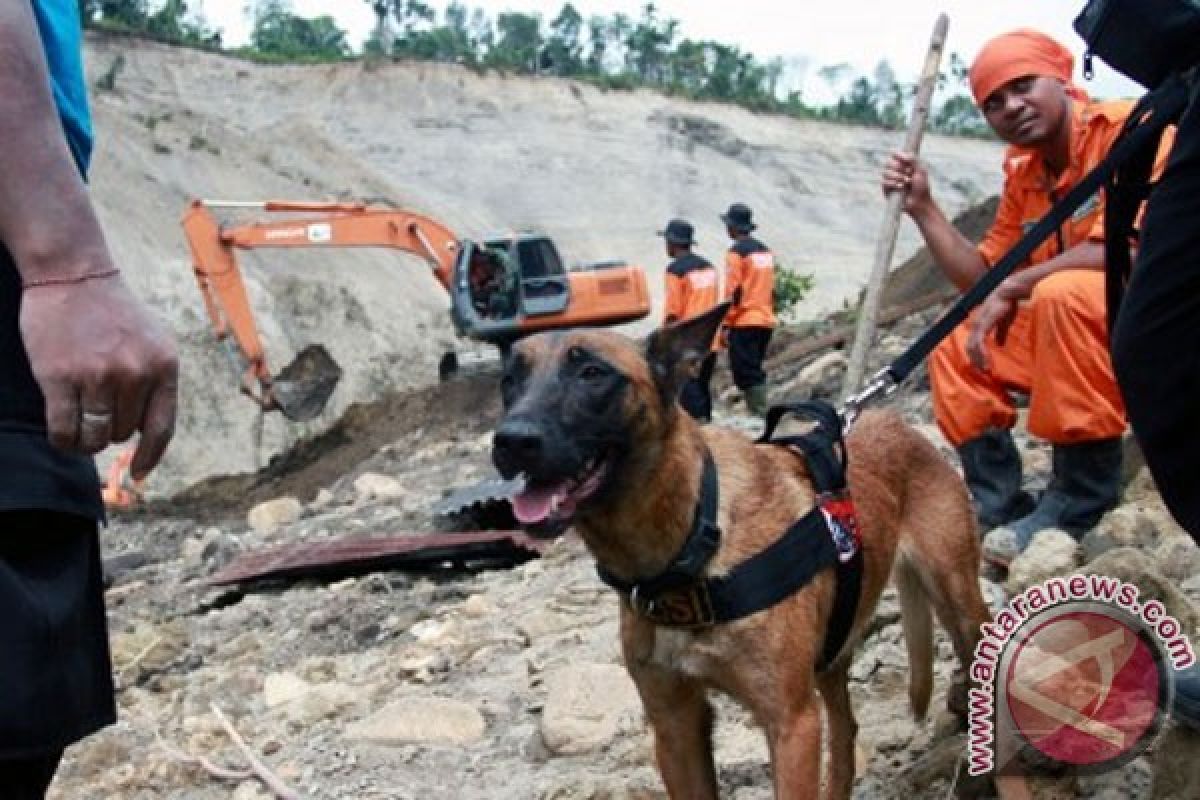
(55, 673)
(696, 395)
(1156, 338)
(747, 350)
(28, 778)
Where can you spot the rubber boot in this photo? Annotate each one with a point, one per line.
(1086, 484)
(992, 468)
(756, 400)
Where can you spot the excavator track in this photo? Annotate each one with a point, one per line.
(484, 506)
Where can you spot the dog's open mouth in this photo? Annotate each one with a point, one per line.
(546, 508)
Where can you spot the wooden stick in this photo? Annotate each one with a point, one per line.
(211, 767)
(261, 770)
(886, 245)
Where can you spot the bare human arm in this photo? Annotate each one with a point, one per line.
(998, 310)
(953, 252)
(106, 368)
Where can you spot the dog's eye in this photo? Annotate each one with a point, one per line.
(576, 354)
(592, 372)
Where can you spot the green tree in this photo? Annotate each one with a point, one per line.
(381, 39)
(563, 53)
(957, 114)
(595, 63)
(518, 42)
(280, 33)
(790, 288)
(130, 13)
(689, 73)
(891, 97)
(648, 46)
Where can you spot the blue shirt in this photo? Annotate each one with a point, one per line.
(62, 40)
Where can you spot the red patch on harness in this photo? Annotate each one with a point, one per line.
(842, 521)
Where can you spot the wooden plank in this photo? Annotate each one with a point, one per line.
(362, 553)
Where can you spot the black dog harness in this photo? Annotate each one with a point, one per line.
(828, 536)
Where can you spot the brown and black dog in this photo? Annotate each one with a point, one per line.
(593, 424)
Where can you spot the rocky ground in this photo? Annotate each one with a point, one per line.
(492, 684)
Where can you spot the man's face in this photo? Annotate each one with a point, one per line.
(1027, 111)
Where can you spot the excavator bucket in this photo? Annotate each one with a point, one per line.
(485, 505)
(303, 387)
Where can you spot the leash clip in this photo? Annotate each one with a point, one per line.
(882, 384)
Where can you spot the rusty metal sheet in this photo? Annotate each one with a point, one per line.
(362, 553)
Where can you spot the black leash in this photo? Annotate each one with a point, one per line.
(1153, 113)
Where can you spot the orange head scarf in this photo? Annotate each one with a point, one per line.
(1017, 54)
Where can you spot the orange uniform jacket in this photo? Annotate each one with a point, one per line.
(1028, 193)
(750, 284)
(1056, 349)
(691, 288)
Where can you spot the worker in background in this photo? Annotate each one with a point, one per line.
(493, 283)
(82, 365)
(691, 291)
(1043, 330)
(481, 278)
(750, 287)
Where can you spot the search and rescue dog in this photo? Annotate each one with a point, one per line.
(593, 424)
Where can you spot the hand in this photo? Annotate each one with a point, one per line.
(904, 173)
(105, 367)
(997, 313)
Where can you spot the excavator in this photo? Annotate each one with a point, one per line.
(527, 287)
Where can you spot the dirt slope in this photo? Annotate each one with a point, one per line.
(598, 171)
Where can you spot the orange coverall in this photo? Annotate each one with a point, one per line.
(1057, 347)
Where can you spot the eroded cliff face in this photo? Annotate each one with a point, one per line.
(598, 171)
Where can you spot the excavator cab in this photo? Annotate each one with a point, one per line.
(501, 284)
(544, 285)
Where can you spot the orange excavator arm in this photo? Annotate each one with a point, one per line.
(319, 225)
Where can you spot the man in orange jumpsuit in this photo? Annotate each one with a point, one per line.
(691, 291)
(1043, 329)
(750, 287)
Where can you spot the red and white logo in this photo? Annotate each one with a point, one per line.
(1087, 686)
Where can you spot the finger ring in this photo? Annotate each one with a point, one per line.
(97, 417)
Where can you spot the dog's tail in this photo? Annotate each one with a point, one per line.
(917, 619)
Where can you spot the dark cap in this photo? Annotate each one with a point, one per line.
(679, 232)
(738, 217)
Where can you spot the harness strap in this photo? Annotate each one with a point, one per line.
(823, 448)
(698, 549)
(787, 566)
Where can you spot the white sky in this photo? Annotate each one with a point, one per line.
(858, 32)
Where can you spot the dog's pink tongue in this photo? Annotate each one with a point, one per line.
(532, 506)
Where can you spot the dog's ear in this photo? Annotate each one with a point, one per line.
(676, 352)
